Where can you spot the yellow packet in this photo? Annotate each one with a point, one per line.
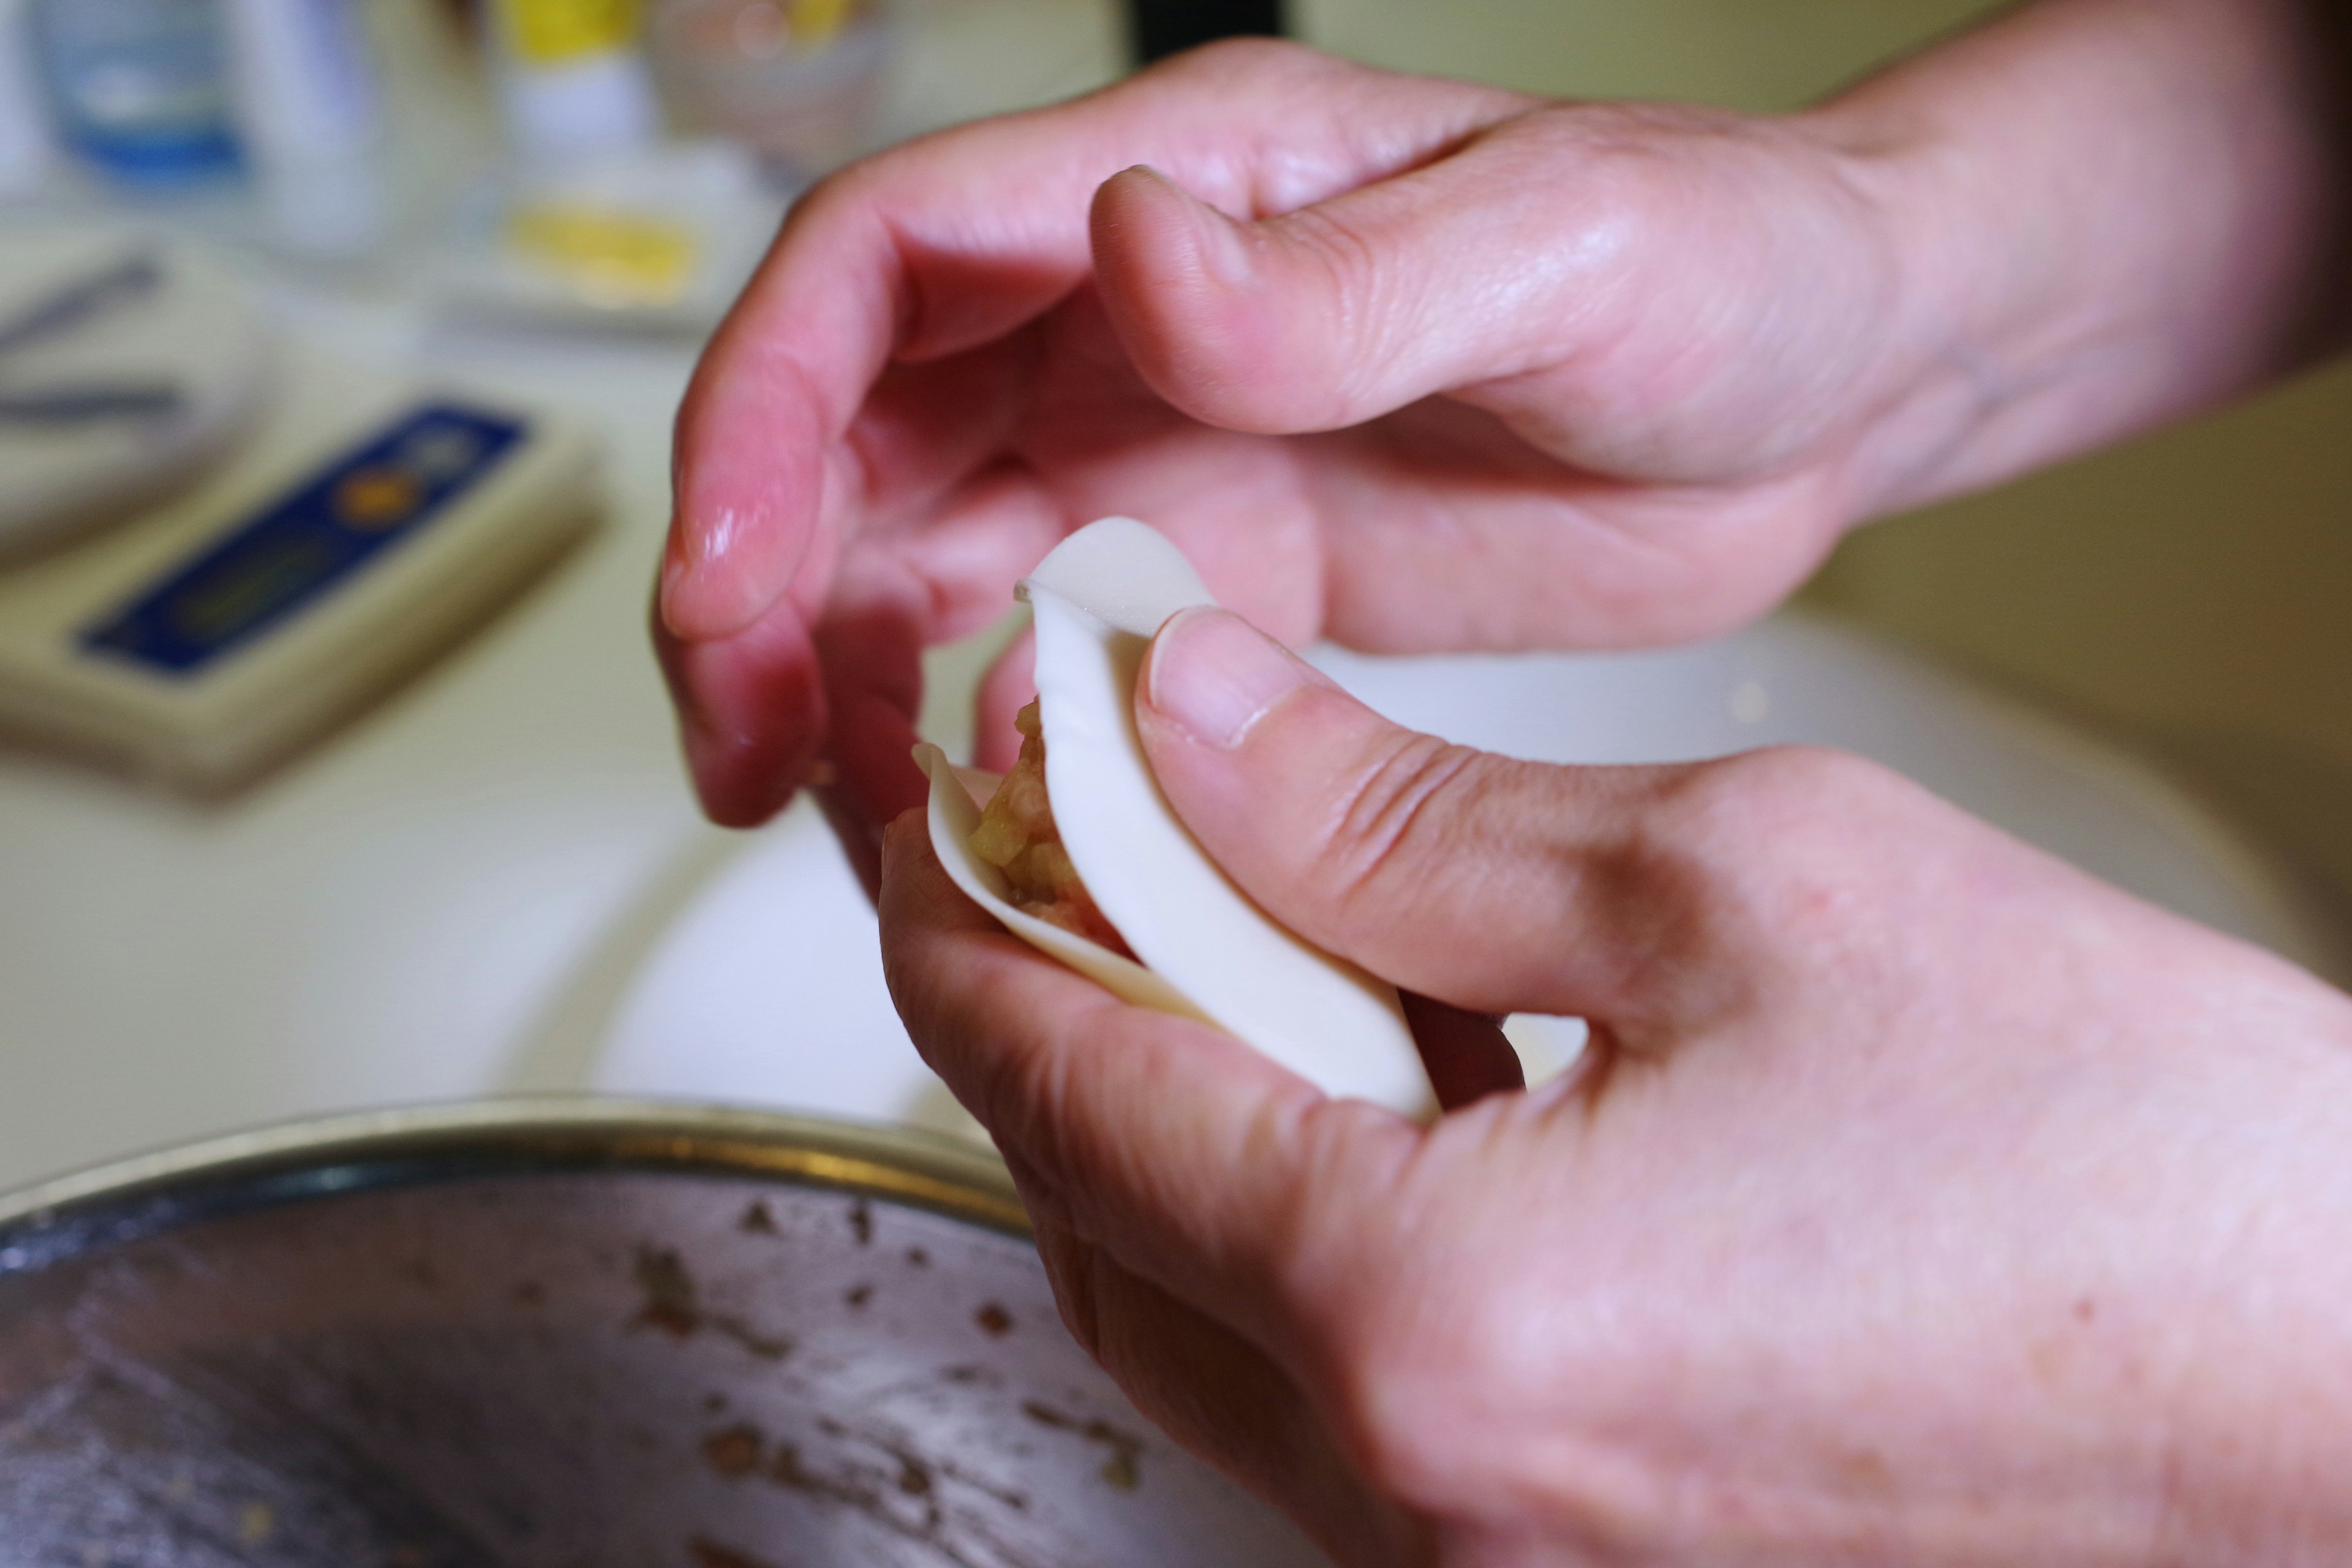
(815, 22)
(552, 32)
(613, 258)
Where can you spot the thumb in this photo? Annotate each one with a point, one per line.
(1337, 314)
(1492, 884)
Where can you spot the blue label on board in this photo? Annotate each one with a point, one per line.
(301, 546)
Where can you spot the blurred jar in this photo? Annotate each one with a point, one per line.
(23, 121)
(575, 84)
(797, 81)
(308, 117)
(140, 88)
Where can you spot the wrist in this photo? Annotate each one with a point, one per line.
(2107, 215)
(1938, 389)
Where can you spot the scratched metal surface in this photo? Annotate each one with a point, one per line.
(567, 1369)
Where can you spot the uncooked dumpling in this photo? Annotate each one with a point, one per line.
(1202, 948)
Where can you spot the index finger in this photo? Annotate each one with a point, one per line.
(1177, 1149)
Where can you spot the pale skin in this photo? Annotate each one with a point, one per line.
(1921, 1201)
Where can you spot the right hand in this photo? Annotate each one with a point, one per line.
(1919, 1199)
(1405, 362)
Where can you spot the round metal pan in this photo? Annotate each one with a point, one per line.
(565, 1334)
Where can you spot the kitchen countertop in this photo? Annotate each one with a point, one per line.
(401, 913)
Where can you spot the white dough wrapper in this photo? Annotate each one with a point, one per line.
(1207, 950)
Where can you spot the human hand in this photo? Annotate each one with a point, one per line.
(1461, 368)
(1919, 1200)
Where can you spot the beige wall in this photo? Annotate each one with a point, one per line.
(1749, 54)
(2192, 592)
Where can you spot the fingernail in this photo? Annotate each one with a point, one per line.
(677, 580)
(733, 480)
(1213, 674)
(702, 549)
(1218, 237)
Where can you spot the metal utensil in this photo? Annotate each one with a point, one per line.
(53, 405)
(569, 1333)
(91, 294)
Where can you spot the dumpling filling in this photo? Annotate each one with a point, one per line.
(1016, 835)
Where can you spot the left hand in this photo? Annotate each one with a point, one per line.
(1406, 363)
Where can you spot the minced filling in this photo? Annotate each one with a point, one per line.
(1016, 835)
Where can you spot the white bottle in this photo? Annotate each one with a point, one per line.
(25, 149)
(574, 83)
(309, 114)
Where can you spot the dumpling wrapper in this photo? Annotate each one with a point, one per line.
(1207, 951)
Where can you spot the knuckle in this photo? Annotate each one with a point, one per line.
(1781, 795)
(1788, 837)
(1353, 290)
(1072, 1269)
(1347, 259)
(1425, 1383)
(1397, 1402)
(1012, 1078)
(1451, 1409)
(1029, 1100)
(1385, 821)
(847, 188)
